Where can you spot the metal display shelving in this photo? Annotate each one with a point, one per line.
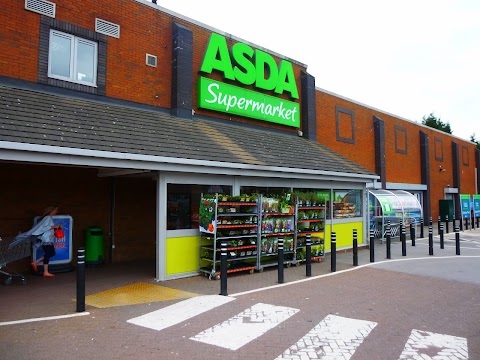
(310, 219)
(251, 231)
(275, 224)
(236, 224)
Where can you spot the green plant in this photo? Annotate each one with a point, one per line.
(235, 198)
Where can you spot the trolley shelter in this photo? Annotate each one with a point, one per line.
(392, 206)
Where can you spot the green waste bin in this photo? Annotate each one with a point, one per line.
(94, 246)
(446, 208)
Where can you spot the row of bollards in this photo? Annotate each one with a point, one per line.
(308, 259)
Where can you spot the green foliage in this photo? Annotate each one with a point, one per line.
(435, 123)
(474, 139)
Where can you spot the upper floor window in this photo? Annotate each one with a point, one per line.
(72, 58)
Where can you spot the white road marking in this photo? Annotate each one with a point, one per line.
(59, 317)
(247, 326)
(427, 345)
(179, 312)
(335, 337)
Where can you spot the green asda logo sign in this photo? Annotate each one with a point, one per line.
(248, 67)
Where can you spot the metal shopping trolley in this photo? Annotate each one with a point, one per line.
(11, 251)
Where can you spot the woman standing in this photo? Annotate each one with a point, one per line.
(46, 227)
(43, 231)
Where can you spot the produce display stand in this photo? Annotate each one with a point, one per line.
(311, 220)
(234, 223)
(251, 228)
(275, 223)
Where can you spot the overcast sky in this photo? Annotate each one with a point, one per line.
(408, 58)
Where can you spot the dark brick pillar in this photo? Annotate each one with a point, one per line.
(456, 181)
(380, 161)
(425, 173)
(477, 163)
(309, 113)
(182, 71)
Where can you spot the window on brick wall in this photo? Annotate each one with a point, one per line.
(401, 146)
(465, 157)
(438, 149)
(345, 121)
(72, 58)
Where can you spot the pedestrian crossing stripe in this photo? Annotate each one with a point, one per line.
(335, 337)
(179, 312)
(427, 345)
(247, 326)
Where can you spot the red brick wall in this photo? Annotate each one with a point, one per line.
(142, 30)
(19, 32)
(400, 168)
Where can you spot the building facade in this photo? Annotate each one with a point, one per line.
(126, 112)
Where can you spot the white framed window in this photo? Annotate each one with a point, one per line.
(73, 59)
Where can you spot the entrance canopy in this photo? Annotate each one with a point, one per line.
(393, 206)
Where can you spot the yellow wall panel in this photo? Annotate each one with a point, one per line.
(182, 254)
(344, 234)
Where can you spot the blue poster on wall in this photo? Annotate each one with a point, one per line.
(63, 247)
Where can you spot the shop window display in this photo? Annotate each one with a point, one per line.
(314, 197)
(347, 204)
(183, 203)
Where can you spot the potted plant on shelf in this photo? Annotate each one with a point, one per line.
(235, 198)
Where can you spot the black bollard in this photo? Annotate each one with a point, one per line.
(355, 248)
(280, 262)
(333, 265)
(430, 221)
(457, 240)
(404, 240)
(223, 270)
(478, 222)
(430, 240)
(389, 240)
(308, 268)
(412, 232)
(466, 223)
(372, 248)
(421, 228)
(81, 280)
(438, 223)
(442, 244)
(472, 221)
(446, 224)
(453, 222)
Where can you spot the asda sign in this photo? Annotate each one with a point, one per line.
(244, 65)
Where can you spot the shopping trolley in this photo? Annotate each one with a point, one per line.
(11, 251)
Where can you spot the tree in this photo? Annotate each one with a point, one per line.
(474, 139)
(435, 123)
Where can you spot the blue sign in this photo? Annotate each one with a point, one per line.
(465, 205)
(476, 205)
(63, 247)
